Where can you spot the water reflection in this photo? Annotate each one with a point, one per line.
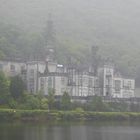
(26, 131)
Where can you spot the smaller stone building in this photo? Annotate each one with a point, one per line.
(12, 68)
(114, 85)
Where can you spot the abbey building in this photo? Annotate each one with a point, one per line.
(45, 75)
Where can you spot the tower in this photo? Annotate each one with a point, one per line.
(94, 59)
(49, 32)
(49, 39)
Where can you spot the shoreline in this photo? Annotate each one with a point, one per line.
(53, 115)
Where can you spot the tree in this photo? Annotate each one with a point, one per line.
(51, 98)
(66, 101)
(4, 88)
(40, 94)
(31, 102)
(97, 104)
(44, 103)
(17, 87)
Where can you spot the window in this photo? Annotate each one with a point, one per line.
(31, 84)
(129, 84)
(62, 80)
(85, 81)
(50, 82)
(42, 83)
(90, 82)
(108, 81)
(32, 72)
(117, 86)
(108, 72)
(96, 82)
(80, 81)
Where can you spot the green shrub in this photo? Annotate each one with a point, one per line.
(44, 104)
(78, 109)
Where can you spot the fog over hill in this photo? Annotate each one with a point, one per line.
(102, 22)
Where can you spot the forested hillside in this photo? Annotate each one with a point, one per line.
(113, 26)
(15, 43)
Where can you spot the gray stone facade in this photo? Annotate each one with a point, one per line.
(42, 76)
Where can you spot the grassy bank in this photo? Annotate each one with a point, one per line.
(41, 115)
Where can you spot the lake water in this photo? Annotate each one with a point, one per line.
(70, 131)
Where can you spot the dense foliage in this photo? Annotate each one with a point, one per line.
(66, 101)
(17, 87)
(4, 89)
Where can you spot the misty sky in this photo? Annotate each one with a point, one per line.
(109, 22)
